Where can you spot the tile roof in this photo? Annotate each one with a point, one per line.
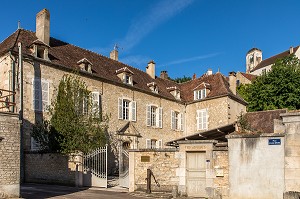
(249, 76)
(263, 121)
(66, 55)
(273, 59)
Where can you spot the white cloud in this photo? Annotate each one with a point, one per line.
(160, 13)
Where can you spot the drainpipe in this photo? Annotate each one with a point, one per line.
(21, 112)
(13, 80)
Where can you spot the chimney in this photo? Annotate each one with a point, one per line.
(232, 82)
(114, 55)
(43, 26)
(209, 72)
(291, 50)
(164, 74)
(150, 69)
(194, 76)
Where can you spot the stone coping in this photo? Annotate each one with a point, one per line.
(296, 113)
(9, 114)
(154, 150)
(196, 141)
(256, 135)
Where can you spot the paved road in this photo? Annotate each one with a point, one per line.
(40, 191)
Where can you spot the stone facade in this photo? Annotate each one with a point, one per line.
(9, 155)
(53, 168)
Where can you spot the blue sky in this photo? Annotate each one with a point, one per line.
(182, 36)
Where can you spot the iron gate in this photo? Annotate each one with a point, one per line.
(124, 169)
(95, 168)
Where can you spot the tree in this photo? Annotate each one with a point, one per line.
(279, 88)
(182, 79)
(75, 121)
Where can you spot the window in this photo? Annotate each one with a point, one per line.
(34, 145)
(264, 71)
(237, 82)
(96, 104)
(40, 90)
(154, 116)
(127, 109)
(127, 79)
(199, 94)
(153, 144)
(176, 120)
(202, 119)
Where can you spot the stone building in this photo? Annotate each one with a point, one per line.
(146, 110)
(255, 65)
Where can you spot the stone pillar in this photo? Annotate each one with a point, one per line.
(131, 171)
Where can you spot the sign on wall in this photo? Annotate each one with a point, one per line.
(276, 141)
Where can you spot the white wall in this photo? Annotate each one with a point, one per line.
(256, 169)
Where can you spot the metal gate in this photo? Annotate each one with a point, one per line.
(124, 169)
(95, 168)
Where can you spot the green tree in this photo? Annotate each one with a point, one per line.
(76, 122)
(182, 79)
(279, 88)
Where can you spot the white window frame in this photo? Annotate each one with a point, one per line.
(202, 119)
(154, 144)
(154, 116)
(96, 103)
(200, 94)
(177, 120)
(131, 109)
(40, 99)
(127, 79)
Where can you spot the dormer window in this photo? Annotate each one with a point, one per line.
(201, 91)
(153, 87)
(40, 49)
(174, 90)
(125, 75)
(85, 65)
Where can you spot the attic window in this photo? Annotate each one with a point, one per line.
(85, 65)
(125, 75)
(174, 91)
(201, 91)
(40, 49)
(153, 87)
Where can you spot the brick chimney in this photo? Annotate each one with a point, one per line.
(43, 26)
(209, 72)
(194, 76)
(150, 69)
(232, 82)
(164, 74)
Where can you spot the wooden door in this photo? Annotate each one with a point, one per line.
(196, 174)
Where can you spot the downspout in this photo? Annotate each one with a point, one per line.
(13, 81)
(21, 113)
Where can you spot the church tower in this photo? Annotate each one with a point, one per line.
(253, 58)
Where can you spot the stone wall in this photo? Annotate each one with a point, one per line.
(9, 155)
(162, 162)
(50, 168)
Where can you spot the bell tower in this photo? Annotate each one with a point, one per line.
(253, 58)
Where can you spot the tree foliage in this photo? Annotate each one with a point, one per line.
(182, 79)
(75, 123)
(279, 88)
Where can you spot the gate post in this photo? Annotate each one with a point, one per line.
(148, 181)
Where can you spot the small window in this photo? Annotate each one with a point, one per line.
(127, 79)
(200, 94)
(127, 109)
(264, 71)
(153, 144)
(238, 82)
(176, 120)
(202, 119)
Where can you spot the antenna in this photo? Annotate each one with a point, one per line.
(116, 47)
(19, 24)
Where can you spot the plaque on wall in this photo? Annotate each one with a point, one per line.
(145, 158)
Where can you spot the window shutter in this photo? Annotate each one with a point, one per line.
(205, 117)
(148, 144)
(120, 108)
(36, 94)
(181, 116)
(160, 117)
(198, 119)
(45, 95)
(173, 120)
(95, 103)
(133, 110)
(159, 144)
(148, 115)
(195, 95)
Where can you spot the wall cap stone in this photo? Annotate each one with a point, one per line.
(196, 141)
(256, 135)
(154, 150)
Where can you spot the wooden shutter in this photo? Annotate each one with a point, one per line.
(148, 114)
(45, 95)
(181, 121)
(95, 103)
(205, 119)
(198, 119)
(148, 143)
(159, 144)
(173, 120)
(120, 108)
(160, 117)
(133, 110)
(195, 95)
